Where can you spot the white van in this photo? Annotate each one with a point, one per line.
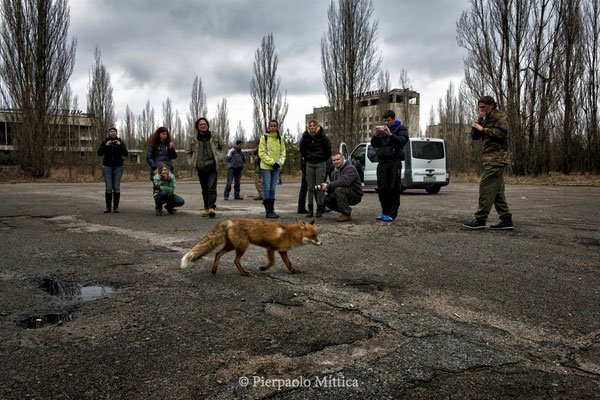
(425, 164)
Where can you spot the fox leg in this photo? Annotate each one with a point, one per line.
(269, 260)
(238, 256)
(288, 264)
(226, 248)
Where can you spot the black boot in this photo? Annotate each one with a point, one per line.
(157, 208)
(267, 208)
(310, 211)
(319, 211)
(108, 198)
(116, 198)
(271, 212)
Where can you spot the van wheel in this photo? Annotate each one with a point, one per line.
(433, 189)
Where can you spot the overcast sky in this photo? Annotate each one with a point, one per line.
(153, 49)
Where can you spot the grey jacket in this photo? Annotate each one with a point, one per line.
(346, 176)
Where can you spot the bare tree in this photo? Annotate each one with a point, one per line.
(406, 86)
(128, 129)
(147, 123)
(178, 131)
(167, 110)
(240, 132)
(220, 123)
(349, 63)
(100, 103)
(268, 101)
(591, 83)
(198, 106)
(37, 60)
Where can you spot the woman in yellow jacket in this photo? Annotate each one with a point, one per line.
(271, 151)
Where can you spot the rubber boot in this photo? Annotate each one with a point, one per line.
(108, 198)
(310, 211)
(157, 208)
(271, 212)
(116, 198)
(267, 208)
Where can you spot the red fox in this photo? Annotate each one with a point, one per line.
(239, 233)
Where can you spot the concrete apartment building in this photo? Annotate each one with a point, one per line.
(404, 102)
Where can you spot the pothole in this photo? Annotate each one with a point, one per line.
(75, 291)
(39, 321)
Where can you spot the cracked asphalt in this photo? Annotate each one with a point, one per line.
(419, 308)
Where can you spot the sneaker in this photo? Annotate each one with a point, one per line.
(116, 209)
(387, 218)
(475, 224)
(258, 198)
(344, 218)
(206, 212)
(382, 216)
(239, 198)
(211, 212)
(225, 198)
(505, 224)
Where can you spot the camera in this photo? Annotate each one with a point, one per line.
(319, 186)
(381, 127)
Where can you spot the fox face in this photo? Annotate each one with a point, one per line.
(309, 233)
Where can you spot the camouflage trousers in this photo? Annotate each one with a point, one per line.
(491, 192)
(258, 182)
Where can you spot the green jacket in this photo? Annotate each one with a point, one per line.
(217, 145)
(495, 137)
(271, 150)
(167, 185)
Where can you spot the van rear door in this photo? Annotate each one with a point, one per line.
(427, 160)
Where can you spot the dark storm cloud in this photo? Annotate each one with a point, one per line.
(154, 48)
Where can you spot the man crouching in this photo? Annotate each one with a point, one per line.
(345, 188)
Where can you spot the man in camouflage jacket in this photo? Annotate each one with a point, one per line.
(492, 128)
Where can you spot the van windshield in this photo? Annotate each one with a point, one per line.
(428, 150)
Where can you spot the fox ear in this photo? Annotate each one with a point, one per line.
(301, 224)
(312, 222)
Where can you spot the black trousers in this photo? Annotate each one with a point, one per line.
(208, 182)
(388, 186)
(340, 200)
(170, 199)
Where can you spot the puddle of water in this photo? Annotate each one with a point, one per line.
(75, 291)
(39, 321)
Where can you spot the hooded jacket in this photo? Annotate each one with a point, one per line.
(271, 150)
(391, 147)
(315, 149)
(235, 158)
(113, 154)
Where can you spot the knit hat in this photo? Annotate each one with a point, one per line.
(238, 142)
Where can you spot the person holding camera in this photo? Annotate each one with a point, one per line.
(161, 149)
(271, 151)
(164, 190)
(113, 150)
(315, 149)
(345, 188)
(389, 140)
(492, 128)
(235, 161)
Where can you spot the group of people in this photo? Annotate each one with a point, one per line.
(342, 190)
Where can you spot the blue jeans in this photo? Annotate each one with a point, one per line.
(270, 179)
(112, 178)
(233, 174)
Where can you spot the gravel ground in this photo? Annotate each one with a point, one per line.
(417, 308)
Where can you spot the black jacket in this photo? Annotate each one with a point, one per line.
(315, 149)
(391, 147)
(113, 154)
(164, 154)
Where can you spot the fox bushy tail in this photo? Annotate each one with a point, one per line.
(207, 244)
